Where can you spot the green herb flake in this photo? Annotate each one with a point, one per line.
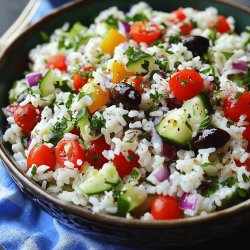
(135, 55)
(176, 64)
(96, 158)
(205, 71)
(174, 39)
(183, 83)
(206, 123)
(69, 101)
(170, 52)
(213, 187)
(238, 95)
(228, 55)
(245, 178)
(131, 157)
(213, 35)
(229, 182)
(134, 174)
(137, 17)
(45, 36)
(206, 164)
(112, 21)
(189, 126)
(145, 65)
(242, 192)
(97, 123)
(194, 23)
(33, 170)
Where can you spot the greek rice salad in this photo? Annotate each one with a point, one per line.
(143, 114)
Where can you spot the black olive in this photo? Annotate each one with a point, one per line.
(126, 94)
(211, 138)
(198, 45)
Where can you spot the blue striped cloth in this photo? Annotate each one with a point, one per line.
(23, 225)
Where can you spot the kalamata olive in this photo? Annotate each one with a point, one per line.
(211, 138)
(172, 103)
(126, 94)
(198, 45)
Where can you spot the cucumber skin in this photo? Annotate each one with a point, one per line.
(136, 66)
(46, 86)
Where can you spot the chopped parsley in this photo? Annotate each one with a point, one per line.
(112, 22)
(174, 39)
(245, 178)
(228, 55)
(145, 135)
(176, 64)
(97, 123)
(33, 170)
(145, 65)
(134, 174)
(58, 131)
(131, 157)
(213, 35)
(134, 55)
(137, 17)
(229, 182)
(156, 97)
(206, 123)
(238, 95)
(184, 83)
(206, 164)
(211, 189)
(45, 36)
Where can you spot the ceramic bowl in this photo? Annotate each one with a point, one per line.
(104, 227)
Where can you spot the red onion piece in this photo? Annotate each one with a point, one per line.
(161, 174)
(10, 109)
(32, 79)
(170, 152)
(126, 26)
(240, 65)
(190, 201)
(172, 103)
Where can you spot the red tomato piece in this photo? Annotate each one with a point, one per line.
(57, 62)
(246, 164)
(75, 131)
(145, 32)
(138, 84)
(179, 16)
(93, 152)
(70, 150)
(235, 106)
(42, 155)
(186, 84)
(125, 166)
(26, 117)
(165, 208)
(82, 77)
(186, 29)
(220, 24)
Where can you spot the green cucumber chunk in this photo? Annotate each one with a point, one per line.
(132, 198)
(178, 126)
(46, 86)
(142, 65)
(82, 122)
(103, 180)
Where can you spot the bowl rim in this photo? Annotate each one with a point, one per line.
(11, 166)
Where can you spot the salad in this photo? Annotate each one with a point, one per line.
(143, 114)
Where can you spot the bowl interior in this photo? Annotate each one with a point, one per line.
(15, 60)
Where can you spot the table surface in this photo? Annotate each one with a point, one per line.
(9, 11)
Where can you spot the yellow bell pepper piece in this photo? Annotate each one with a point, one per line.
(119, 72)
(111, 40)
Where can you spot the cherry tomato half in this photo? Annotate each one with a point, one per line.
(42, 155)
(138, 84)
(165, 208)
(145, 32)
(179, 16)
(186, 28)
(70, 150)
(82, 77)
(235, 106)
(246, 164)
(26, 117)
(93, 152)
(220, 24)
(125, 166)
(57, 62)
(186, 84)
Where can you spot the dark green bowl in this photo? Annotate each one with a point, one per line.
(133, 232)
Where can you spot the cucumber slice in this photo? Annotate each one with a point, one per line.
(82, 122)
(179, 125)
(132, 198)
(175, 129)
(104, 180)
(142, 65)
(46, 86)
